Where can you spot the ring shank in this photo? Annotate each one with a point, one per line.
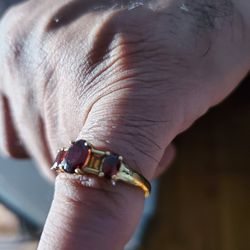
(130, 176)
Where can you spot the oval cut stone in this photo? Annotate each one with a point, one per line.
(68, 168)
(76, 156)
(111, 165)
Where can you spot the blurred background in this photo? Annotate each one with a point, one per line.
(204, 199)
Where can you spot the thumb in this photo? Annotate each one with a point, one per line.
(97, 215)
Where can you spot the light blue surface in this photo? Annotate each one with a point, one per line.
(22, 188)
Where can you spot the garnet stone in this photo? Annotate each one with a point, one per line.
(111, 165)
(76, 156)
(59, 158)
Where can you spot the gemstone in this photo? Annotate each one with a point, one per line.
(111, 165)
(67, 168)
(59, 158)
(76, 156)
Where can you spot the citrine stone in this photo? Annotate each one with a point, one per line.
(111, 165)
(76, 156)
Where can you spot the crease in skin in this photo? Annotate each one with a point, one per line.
(10, 142)
(72, 10)
(209, 14)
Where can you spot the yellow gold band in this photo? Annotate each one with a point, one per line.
(132, 177)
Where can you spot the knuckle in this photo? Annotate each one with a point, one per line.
(12, 40)
(121, 48)
(10, 14)
(122, 36)
(10, 23)
(17, 40)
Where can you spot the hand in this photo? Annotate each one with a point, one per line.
(125, 80)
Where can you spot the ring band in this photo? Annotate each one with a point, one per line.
(82, 158)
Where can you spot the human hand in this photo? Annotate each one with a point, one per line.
(125, 80)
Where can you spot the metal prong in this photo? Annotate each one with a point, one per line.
(101, 174)
(114, 177)
(79, 171)
(54, 167)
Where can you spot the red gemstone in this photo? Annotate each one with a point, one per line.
(111, 165)
(59, 157)
(76, 156)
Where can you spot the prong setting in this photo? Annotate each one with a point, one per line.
(101, 174)
(54, 167)
(79, 171)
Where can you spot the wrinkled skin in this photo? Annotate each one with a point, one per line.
(126, 80)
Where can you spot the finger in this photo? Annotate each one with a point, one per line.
(96, 217)
(10, 143)
(34, 136)
(30, 128)
(100, 216)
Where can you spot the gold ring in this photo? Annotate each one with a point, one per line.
(82, 158)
